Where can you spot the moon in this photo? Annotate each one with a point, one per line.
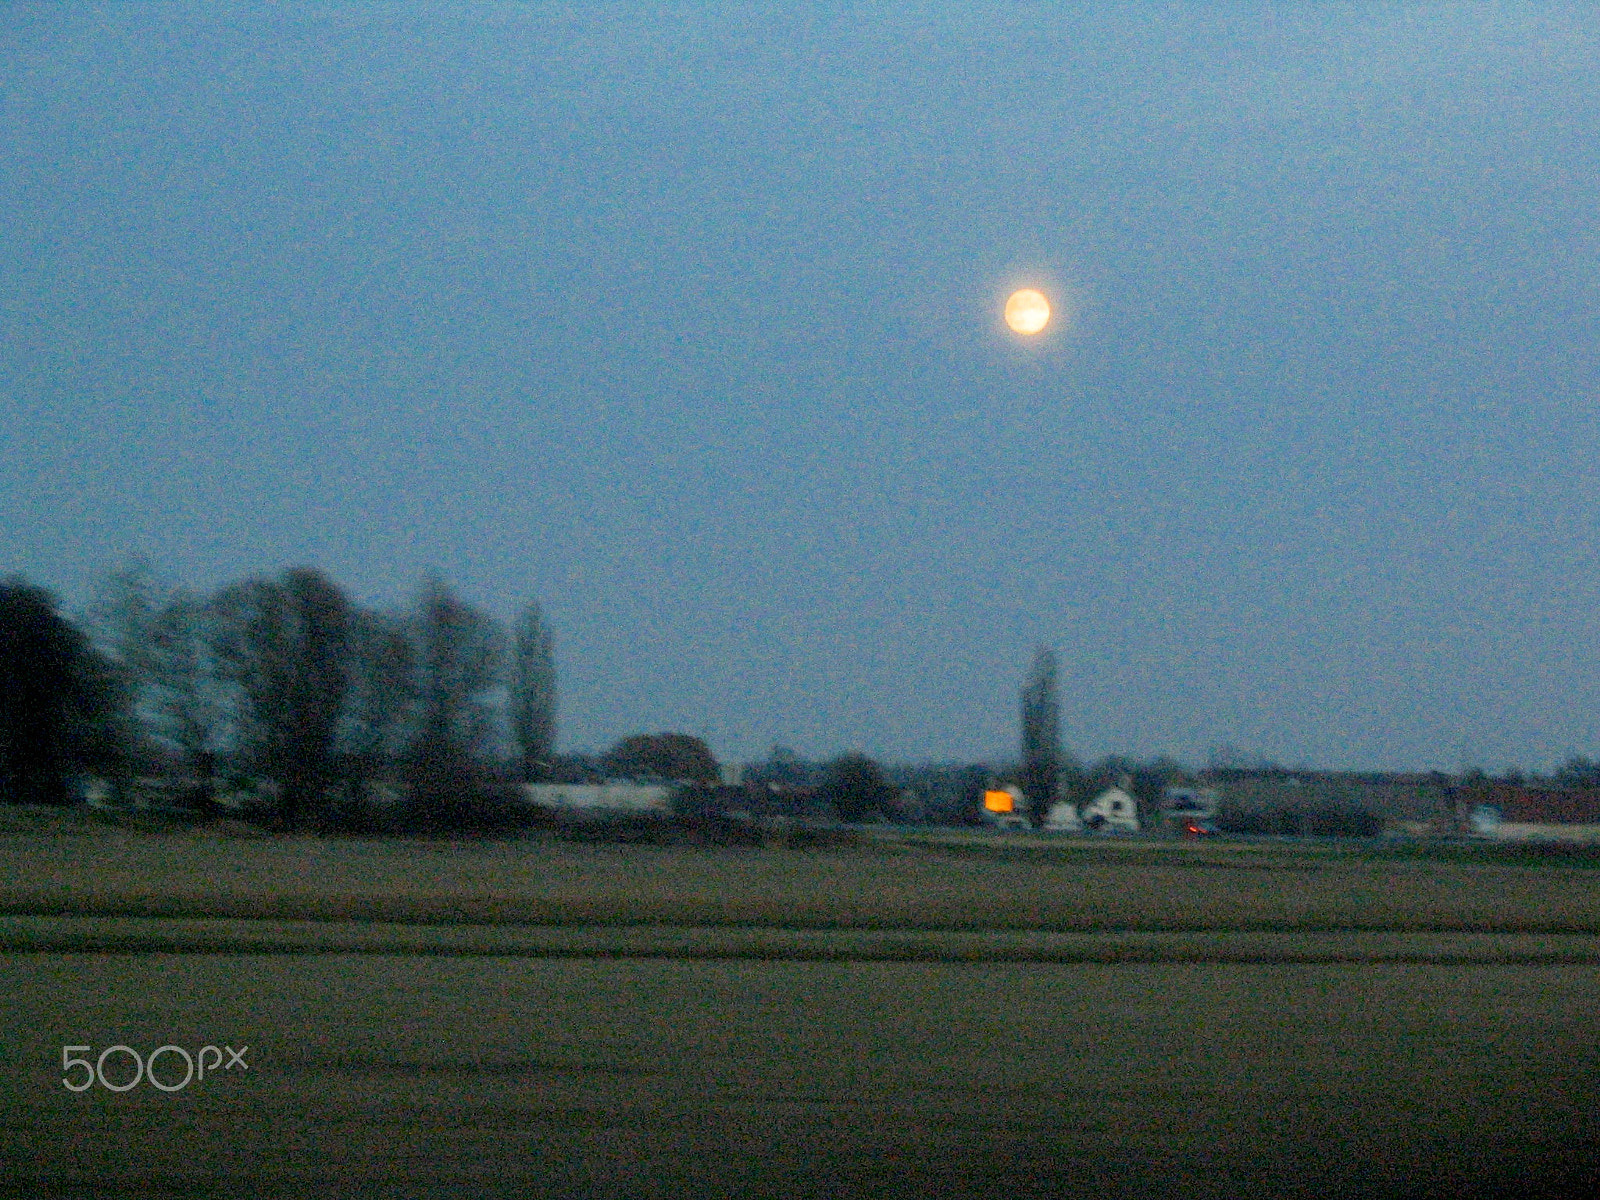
(1027, 311)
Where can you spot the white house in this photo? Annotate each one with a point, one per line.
(1112, 811)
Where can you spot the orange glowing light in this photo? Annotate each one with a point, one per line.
(999, 802)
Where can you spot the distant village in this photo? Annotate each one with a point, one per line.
(278, 701)
(1166, 802)
(668, 778)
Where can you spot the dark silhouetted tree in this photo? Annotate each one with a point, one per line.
(532, 695)
(283, 643)
(1578, 772)
(458, 662)
(664, 756)
(1150, 782)
(1041, 736)
(855, 785)
(58, 699)
(380, 693)
(782, 768)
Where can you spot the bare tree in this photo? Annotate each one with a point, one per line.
(157, 637)
(121, 622)
(533, 694)
(188, 702)
(1041, 736)
(458, 663)
(381, 692)
(283, 643)
(122, 615)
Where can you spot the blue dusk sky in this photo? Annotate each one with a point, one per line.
(686, 321)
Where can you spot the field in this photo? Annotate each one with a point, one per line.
(899, 1018)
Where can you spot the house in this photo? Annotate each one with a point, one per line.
(1004, 807)
(1112, 811)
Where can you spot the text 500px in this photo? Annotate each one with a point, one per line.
(129, 1067)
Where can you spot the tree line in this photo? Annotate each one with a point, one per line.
(283, 688)
(281, 681)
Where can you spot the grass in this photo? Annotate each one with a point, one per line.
(942, 1014)
(920, 882)
(219, 936)
(432, 1076)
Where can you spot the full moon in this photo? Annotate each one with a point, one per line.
(1027, 311)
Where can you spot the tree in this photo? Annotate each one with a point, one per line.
(1578, 772)
(665, 756)
(533, 694)
(58, 698)
(1152, 779)
(1041, 736)
(783, 768)
(283, 644)
(182, 678)
(122, 621)
(458, 663)
(158, 641)
(971, 782)
(380, 691)
(855, 785)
